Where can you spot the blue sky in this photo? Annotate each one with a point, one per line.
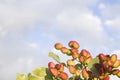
(29, 29)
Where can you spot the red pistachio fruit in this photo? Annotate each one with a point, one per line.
(101, 71)
(75, 55)
(77, 73)
(101, 77)
(51, 65)
(115, 72)
(109, 69)
(64, 50)
(88, 60)
(110, 63)
(118, 74)
(85, 53)
(63, 76)
(116, 64)
(72, 69)
(54, 71)
(106, 78)
(58, 46)
(81, 58)
(74, 44)
(114, 58)
(84, 73)
(102, 56)
(59, 67)
(70, 62)
(74, 50)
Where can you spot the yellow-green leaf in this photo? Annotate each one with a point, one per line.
(92, 62)
(21, 77)
(41, 72)
(54, 56)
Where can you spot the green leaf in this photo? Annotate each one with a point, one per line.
(92, 68)
(92, 62)
(49, 75)
(41, 72)
(21, 77)
(34, 77)
(54, 56)
(78, 66)
(95, 71)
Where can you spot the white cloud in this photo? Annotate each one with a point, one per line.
(21, 65)
(33, 45)
(113, 26)
(17, 16)
(111, 17)
(101, 6)
(114, 23)
(80, 22)
(111, 11)
(109, 23)
(14, 18)
(2, 33)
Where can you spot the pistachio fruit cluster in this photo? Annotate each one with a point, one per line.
(57, 70)
(107, 65)
(79, 62)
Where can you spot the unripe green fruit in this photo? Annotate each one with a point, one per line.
(63, 76)
(51, 65)
(114, 58)
(72, 69)
(73, 44)
(84, 73)
(70, 62)
(54, 71)
(58, 46)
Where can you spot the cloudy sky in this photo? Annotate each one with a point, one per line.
(30, 28)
